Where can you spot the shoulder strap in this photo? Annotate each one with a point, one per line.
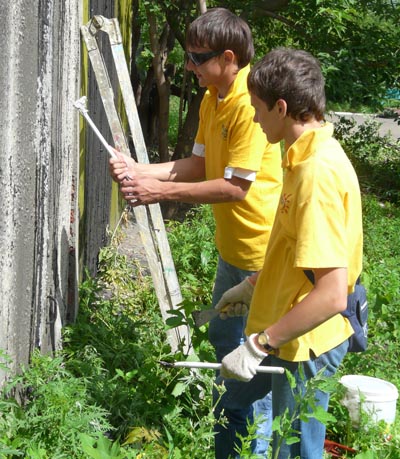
(310, 276)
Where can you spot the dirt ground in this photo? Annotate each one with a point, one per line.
(130, 243)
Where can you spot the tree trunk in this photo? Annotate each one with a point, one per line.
(160, 53)
(135, 40)
(147, 108)
(187, 134)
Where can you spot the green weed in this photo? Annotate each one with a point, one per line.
(376, 158)
(54, 412)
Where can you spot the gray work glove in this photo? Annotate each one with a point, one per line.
(242, 363)
(240, 293)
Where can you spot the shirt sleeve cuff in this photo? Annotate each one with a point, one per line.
(239, 172)
(199, 150)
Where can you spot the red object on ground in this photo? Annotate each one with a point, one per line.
(336, 449)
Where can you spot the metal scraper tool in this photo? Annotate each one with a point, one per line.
(202, 317)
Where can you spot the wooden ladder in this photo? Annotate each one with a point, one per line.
(149, 218)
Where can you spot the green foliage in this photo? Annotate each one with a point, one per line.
(111, 360)
(101, 447)
(56, 410)
(195, 258)
(305, 408)
(356, 42)
(376, 158)
(173, 120)
(157, 412)
(195, 255)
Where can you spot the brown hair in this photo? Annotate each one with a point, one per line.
(294, 76)
(220, 29)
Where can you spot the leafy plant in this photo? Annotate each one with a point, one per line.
(154, 410)
(195, 255)
(375, 157)
(54, 412)
(305, 408)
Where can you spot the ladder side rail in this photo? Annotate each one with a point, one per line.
(111, 27)
(107, 96)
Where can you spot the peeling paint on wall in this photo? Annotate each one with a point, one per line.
(43, 174)
(39, 78)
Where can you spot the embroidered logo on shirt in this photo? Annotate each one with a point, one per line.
(224, 132)
(285, 203)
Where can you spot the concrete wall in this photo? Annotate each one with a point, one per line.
(56, 196)
(39, 81)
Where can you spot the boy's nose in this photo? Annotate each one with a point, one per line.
(189, 65)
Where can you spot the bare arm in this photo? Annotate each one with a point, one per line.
(253, 278)
(183, 170)
(326, 299)
(147, 190)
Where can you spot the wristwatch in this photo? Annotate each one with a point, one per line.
(263, 340)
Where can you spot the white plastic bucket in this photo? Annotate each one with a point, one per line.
(374, 396)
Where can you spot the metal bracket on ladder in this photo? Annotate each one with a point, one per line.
(153, 235)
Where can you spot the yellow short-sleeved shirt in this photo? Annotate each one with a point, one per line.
(232, 139)
(318, 225)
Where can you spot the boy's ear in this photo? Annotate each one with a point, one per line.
(281, 107)
(229, 56)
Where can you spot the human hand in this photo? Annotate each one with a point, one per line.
(240, 293)
(121, 167)
(139, 190)
(234, 310)
(242, 363)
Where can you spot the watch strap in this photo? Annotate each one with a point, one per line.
(263, 340)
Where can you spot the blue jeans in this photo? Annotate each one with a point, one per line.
(227, 335)
(236, 402)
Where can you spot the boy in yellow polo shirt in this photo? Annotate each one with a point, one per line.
(232, 166)
(318, 227)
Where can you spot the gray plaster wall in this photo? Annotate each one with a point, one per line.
(39, 81)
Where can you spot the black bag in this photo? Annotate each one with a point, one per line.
(356, 312)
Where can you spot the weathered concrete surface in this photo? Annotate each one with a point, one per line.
(39, 80)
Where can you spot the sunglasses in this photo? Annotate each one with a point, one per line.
(200, 58)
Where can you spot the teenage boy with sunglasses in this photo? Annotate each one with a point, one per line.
(293, 323)
(232, 167)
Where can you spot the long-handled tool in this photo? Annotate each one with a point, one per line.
(216, 366)
(80, 104)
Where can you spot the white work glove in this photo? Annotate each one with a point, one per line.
(242, 363)
(240, 293)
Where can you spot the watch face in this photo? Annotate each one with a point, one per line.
(262, 339)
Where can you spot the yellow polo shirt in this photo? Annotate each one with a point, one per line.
(232, 139)
(318, 225)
